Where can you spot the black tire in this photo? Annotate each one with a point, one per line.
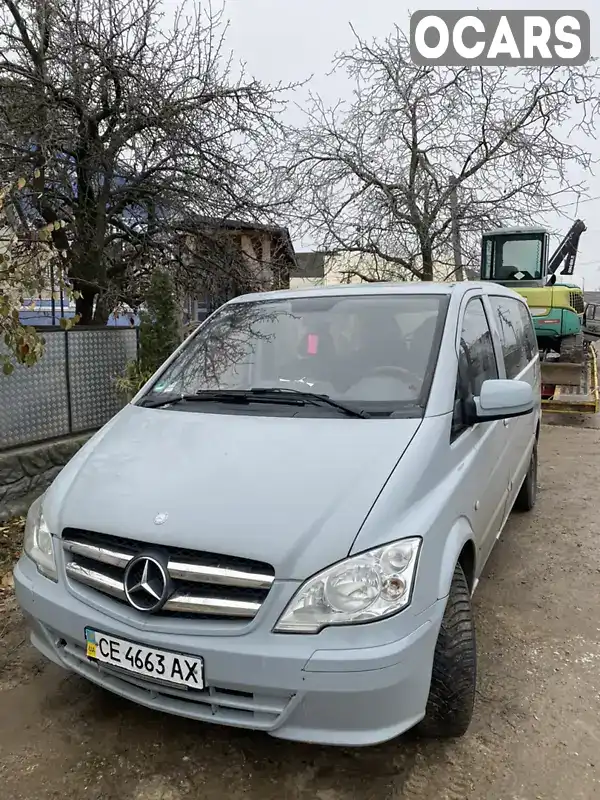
(454, 676)
(525, 500)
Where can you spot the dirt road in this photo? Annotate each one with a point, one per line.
(536, 734)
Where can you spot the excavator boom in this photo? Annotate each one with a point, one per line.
(566, 252)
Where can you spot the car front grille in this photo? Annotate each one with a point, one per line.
(203, 584)
(576, 302)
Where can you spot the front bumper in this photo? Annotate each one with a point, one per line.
(288, 686)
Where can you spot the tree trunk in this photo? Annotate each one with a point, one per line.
(85, 271)
(101, 312)
(427, 258)
(84, 305)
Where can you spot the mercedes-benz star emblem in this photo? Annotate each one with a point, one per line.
(160, 518)
(147, 584)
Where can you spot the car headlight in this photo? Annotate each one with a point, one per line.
(37, 542)
(363, 588)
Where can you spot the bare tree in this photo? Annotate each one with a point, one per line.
(385, 175)
(128, 128)
(21, 268)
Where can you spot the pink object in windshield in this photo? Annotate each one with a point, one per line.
(312, 344)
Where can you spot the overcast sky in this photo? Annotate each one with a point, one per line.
(290, 40)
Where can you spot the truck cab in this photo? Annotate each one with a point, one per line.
(515, 257)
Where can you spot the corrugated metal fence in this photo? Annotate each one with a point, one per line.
(70, 390)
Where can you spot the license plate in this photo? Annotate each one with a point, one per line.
(147, 662)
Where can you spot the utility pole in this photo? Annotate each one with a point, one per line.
(455, 231)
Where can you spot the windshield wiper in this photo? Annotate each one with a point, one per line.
(274, 395)
(310, 397)
(173, 397)
(214, 396)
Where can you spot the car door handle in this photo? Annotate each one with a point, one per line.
(506, 423)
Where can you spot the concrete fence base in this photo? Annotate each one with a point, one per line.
(26, 472)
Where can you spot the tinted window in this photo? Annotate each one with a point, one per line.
(531, 345)
(516, 346)
(377, 352)
(477, 360)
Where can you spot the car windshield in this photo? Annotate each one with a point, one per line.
(373, 353)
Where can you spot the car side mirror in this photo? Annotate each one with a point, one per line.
(501, 399)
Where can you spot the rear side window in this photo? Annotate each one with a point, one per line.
(517, 347)
(530, 338)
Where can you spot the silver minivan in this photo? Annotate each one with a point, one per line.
(283, 530)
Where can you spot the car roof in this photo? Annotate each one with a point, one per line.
(373, 289)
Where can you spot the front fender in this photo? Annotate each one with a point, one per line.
(460, 533)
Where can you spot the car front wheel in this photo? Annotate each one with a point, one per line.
(454, 676)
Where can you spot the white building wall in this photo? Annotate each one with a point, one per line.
(336, 268)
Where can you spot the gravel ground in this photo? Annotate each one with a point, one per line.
(535, 736)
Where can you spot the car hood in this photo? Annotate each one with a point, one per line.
(257, 487)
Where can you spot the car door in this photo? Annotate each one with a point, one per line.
(521, 361)
(480, 450)
(592, 319)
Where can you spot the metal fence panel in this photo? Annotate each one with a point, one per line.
(34, 402)
(70, 390)
(95, 359)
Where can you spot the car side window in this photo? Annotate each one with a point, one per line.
(476, 361)
(529, 331)
(516, 347)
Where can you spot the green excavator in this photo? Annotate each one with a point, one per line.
(518, 258)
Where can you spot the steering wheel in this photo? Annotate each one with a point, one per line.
(394, 371)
